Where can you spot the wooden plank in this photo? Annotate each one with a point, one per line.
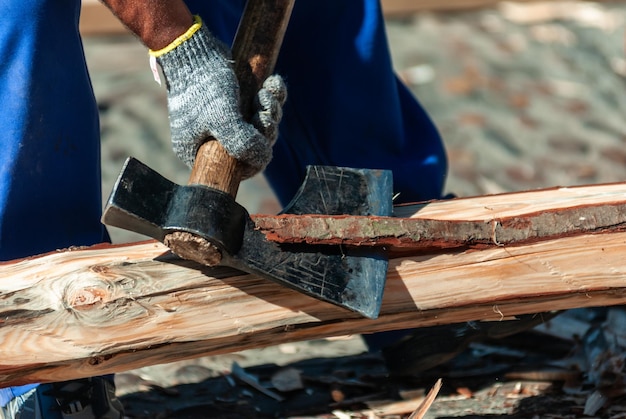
(406, 7)
(96, 19)
(398, 8)
(103, 309)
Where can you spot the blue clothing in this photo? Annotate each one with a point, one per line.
(8, 394)
(50, 160)
(50, 193)
(345, 107)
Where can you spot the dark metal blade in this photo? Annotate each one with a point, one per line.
(145, 202)
(353, 279)
(139, 200)
(349, 277)
(334, 190)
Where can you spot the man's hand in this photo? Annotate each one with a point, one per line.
(203, 92)
(203, 101)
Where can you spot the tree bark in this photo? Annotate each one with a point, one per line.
(83, 312)
(478, 222)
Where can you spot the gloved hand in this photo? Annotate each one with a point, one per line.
(203, 101)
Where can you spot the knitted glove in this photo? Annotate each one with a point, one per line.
(203, 101)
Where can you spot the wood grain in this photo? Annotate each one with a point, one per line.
(255, 51)
(82, 312)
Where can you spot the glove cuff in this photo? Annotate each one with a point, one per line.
(180, 40)
(192, 54)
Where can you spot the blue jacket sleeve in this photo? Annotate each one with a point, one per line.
(50, 194)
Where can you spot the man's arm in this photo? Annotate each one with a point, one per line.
(203, 91)
(156, 22)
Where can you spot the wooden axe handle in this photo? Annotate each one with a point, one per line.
(255, 50)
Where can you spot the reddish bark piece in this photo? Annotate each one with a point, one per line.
(477, 222)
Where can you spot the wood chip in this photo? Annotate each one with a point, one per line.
(428, 401)
(287, 379)
(465, 392)
(253, 382)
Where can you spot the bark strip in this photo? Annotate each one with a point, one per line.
(477, 222)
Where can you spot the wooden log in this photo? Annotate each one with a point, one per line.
(82, 312)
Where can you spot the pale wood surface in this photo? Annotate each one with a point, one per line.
(84, 312)
(393, 8)
(96, 19)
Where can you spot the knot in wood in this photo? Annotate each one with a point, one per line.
(86, 298)
(97, 360)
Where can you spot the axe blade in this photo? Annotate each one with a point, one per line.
(348, 277)
(145, 202)
(138, 199)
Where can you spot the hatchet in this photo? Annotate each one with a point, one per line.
(201, 221)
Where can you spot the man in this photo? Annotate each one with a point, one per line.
(346, 107)
(50, 164)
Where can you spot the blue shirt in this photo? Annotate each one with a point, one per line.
(49, 142)
(50, 193)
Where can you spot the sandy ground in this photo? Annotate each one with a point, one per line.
(524, 96)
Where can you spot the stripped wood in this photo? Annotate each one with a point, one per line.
(103, 309)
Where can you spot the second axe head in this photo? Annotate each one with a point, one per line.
(202, 222)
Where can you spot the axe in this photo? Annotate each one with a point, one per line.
(201, 221)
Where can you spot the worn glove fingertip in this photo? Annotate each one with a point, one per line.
(275, 84)
(266, 102)
(256, 159)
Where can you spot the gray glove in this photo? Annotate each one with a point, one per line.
(203, 101)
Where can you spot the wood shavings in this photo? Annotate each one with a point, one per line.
(341, 415)
(465, 392)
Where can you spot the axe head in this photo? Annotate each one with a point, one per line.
(145, 202)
